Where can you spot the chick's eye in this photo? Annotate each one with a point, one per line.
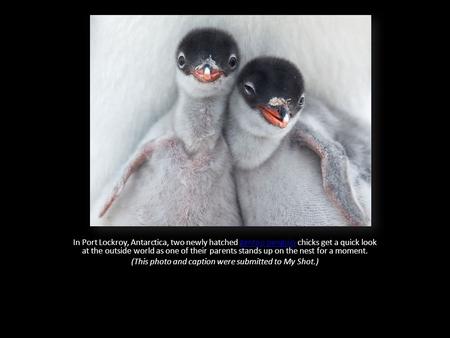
(232, 62)
(249, 89)
(301, 102)
(181, 61)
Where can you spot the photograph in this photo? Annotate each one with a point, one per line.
(230, 120)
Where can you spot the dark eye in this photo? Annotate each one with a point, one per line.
(181, 60)
(301, 102)
(232, 62)
(249, 89)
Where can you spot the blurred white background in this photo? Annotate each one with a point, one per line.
(132, 60)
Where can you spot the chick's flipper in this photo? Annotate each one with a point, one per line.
(335, 173)
(139, 157)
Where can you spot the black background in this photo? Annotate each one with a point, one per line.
(59, 155)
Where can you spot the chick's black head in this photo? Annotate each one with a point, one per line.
(266, 78)
(207, 53)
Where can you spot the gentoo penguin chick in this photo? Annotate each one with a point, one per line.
(181, 172)
(289, 170)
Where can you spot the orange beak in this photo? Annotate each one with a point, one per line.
(272, 116)
(206, 74)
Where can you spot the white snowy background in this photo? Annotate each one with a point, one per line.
(132, 68)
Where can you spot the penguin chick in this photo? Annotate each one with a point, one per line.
(181, 172)
(274, 171)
